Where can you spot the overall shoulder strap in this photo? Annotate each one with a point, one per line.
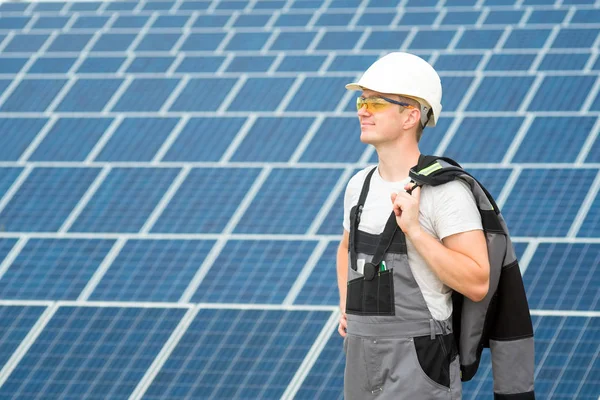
(355, 218)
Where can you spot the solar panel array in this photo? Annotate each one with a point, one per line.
(172, 177)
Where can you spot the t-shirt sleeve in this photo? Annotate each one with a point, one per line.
(351, 196)
(455, 209)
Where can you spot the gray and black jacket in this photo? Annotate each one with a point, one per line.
(501, 321)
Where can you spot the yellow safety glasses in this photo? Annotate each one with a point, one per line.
(378, 104)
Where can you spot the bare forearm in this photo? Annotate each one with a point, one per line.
(455, 269)
(342, 274)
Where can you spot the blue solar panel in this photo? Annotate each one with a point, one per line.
(13, 7)
(339, 40)
(92, 353)
(69, 42)
(299, 195)
(146, 94)
(293, 41)
(432, 39)
(91, 6)
(499, 93)
(194, 5)
(319, 94)
(53, 269)
(250, 64)
(46, 198)
(138, 189)
(326, 378)
(479, 38)
(202, 41)
(334, 19)
(158, 5)
(7, 177)
(337, 140)
(150, 64)
(11, 65)
(25, 43)
(233, 354)
(541, 204)
(547, 16)
(42, 7)
(158, 42)
(460, 17)
(268, 4)
(564, 62)
(457, 62)
(504, 17)
(351, 63)
(71, 139)
(90, 95)
(385, 40)
(482, 139)
(137, 139)
(231, 5)
(211, 21)
(306, 4)
(527, 38)
(152, 270)
(586, 16)
(288, 20)
(562, 93)
(21, 100)
(170, 21)
(321, 286)
(17, 134)
(130, 21)
(564, 276)
(591, 223)
(493, 180)
(375, 18)
(206, 200)
(569, 38)
(52, 65)
(50, 22)
(90, 22)
(250, 20)
(16, 323)
(272, 91)
(455, 88)
(254, 272)
(558, 146)
(248, 41)
(301, 63)
(411, 18)
(510, 62)
(213, 89)
(198, 141)
(93, 65)
(200, 64)
(272, 139)
(18, 22)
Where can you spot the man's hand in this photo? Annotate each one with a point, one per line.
(406, 208)
(343, 324)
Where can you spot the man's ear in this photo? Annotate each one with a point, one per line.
(414, 118)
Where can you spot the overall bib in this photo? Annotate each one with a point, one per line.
(394, 348)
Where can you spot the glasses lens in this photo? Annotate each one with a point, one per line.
(374, 104)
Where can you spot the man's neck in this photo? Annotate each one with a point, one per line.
(396, 161)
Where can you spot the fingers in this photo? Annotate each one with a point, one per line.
(343, 326)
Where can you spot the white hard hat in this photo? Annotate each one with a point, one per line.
(407, 75)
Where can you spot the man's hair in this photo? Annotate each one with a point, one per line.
(416, 104)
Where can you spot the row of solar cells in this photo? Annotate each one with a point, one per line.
(423, 39)
(560, 276)
(542, 202)
(281, 139)
(285, 94)
(484, 16)
(273, 64)
(244, 5)
(93, 352)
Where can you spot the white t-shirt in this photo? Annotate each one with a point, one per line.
(444, 210)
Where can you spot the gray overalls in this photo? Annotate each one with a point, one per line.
(394, 347)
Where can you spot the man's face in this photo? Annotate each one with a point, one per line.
(381, 126)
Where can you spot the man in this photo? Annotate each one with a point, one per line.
(396, 285)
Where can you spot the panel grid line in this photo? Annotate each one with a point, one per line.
(238, 139)
(103, 140)
(12, 255)
(164, 354)
(166, 199)
(304, 274)
(589, 143)
(101, 271)
(585, 207)
(14, 188)
(27, 342)
(166, 146)
(91, 191)
(518, 139)
(311, 358)
(37, 140)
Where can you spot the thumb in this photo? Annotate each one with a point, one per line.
(416, 193)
